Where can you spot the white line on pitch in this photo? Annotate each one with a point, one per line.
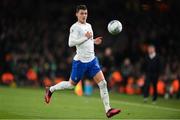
(148, 106)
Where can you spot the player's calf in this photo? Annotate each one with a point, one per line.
(60, 86)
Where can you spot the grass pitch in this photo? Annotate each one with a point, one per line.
(28, 103)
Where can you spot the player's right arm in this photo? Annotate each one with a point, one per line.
(74, 37)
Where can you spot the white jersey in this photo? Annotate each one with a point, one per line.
(84, 46)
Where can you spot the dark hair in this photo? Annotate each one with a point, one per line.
(80, 7)
(152, 45)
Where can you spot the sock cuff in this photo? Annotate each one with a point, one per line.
(102, 83)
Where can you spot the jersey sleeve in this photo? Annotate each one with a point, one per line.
(74, 38)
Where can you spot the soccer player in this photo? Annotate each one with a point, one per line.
(85, 62)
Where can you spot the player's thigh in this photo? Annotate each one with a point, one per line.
(154, 82)
(94, 71)
(147, 81)
(99, 77)
(77, 72)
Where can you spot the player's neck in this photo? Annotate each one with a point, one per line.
(152, 55)
(81, 22)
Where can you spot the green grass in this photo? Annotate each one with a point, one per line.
(28, 103)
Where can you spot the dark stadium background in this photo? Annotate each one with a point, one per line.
(34, 39)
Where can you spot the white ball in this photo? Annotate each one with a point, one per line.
(114, 27)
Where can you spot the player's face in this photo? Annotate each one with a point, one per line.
(82, 16)
(151, 49)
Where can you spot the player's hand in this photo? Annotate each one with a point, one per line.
(88, 35)
(98, 40)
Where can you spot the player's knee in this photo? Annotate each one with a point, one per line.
(72, 82)
(70, 85)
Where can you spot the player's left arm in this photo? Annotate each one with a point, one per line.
(98, 40)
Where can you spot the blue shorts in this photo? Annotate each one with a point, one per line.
(79, 69)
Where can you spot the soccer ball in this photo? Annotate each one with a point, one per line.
(114, 27)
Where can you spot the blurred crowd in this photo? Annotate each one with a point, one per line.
(34, 41)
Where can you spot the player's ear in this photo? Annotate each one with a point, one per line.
(76, 14)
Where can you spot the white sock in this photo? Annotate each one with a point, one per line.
(61, 85)
(104, 94)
